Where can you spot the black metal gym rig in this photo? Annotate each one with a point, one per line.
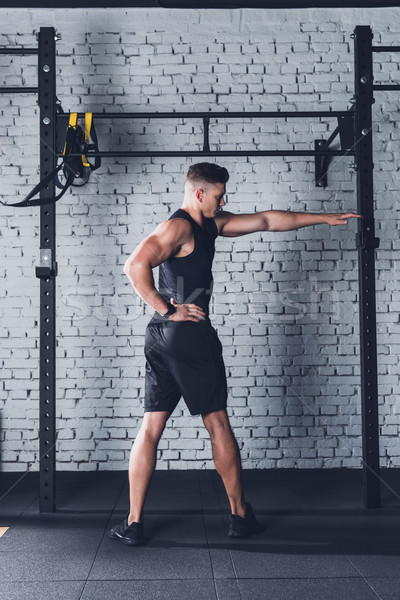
(355, 132)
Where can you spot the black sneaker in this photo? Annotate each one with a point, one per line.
(127, 534)
(244, 526)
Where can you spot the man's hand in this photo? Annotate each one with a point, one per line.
(340, 218)
(187, 312)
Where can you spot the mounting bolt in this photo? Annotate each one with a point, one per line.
(353, 36)
(57, 37)
(353, 166)
(364, 131)
(364, 79)
(46, 121)
(46, 68)
(320, 183)
(77, 174)
(352, 100)
(58, 101)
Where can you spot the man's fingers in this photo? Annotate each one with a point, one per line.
(194, 306)
(196, 309)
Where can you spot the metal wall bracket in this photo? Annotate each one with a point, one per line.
(365, 237)
(321, 172)
(47, 266)
(345, 130)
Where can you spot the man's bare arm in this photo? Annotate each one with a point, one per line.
(163, 243)
(231, 225)
(279, 220)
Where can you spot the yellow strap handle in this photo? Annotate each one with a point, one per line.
(73, 121)
(88, 127)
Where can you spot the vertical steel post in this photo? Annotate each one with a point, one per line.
(366, 244)
(47, 273)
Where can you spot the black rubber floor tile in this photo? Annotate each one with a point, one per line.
(346, 530)
(71, 564)
(13, 505)
(390, 490)
(228, 589)
(385, 588)
(178, 481)
(89, 491)
(213, 506)
(222, 563)
(171, 500)
(382, 562)
(116, 561)
(272, 560)
(194, 589)
(40, 590)
(217, 527)
(24, 538)
(175, 530)
(89, 500)
(309, 488)
(310, 589)
(85, 519)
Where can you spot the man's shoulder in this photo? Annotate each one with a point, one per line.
(178, 223)
(177, 228)
(222, 219)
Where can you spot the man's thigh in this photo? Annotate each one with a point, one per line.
(162, 393)
(193, 353)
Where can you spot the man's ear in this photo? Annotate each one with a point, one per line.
(199, 195)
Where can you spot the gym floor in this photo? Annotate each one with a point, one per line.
(319, 542)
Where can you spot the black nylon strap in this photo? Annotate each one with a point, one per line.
(43, 201)
(71, 138)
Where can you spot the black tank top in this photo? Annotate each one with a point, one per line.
(188, 279)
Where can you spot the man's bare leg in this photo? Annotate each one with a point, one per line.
(226, 457)
(142, 461)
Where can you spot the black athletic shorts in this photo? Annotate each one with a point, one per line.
(184, 359)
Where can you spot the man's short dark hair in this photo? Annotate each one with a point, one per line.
(209, 172)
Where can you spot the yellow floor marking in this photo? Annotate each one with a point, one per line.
(3, 530)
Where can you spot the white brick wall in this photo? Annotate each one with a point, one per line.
(285, 304)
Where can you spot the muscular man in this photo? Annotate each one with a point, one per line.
(182, 349)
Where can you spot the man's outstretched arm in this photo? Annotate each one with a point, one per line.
(231, 225)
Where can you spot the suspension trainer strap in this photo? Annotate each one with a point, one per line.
(75, 141)
(88, 126)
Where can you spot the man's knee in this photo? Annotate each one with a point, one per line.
(216, 422)
(154, 423)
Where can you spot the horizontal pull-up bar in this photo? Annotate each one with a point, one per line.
(19, 50)
(385, 48)
(386, 87)
(19, 90)
(214, 115)
(216, 153)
